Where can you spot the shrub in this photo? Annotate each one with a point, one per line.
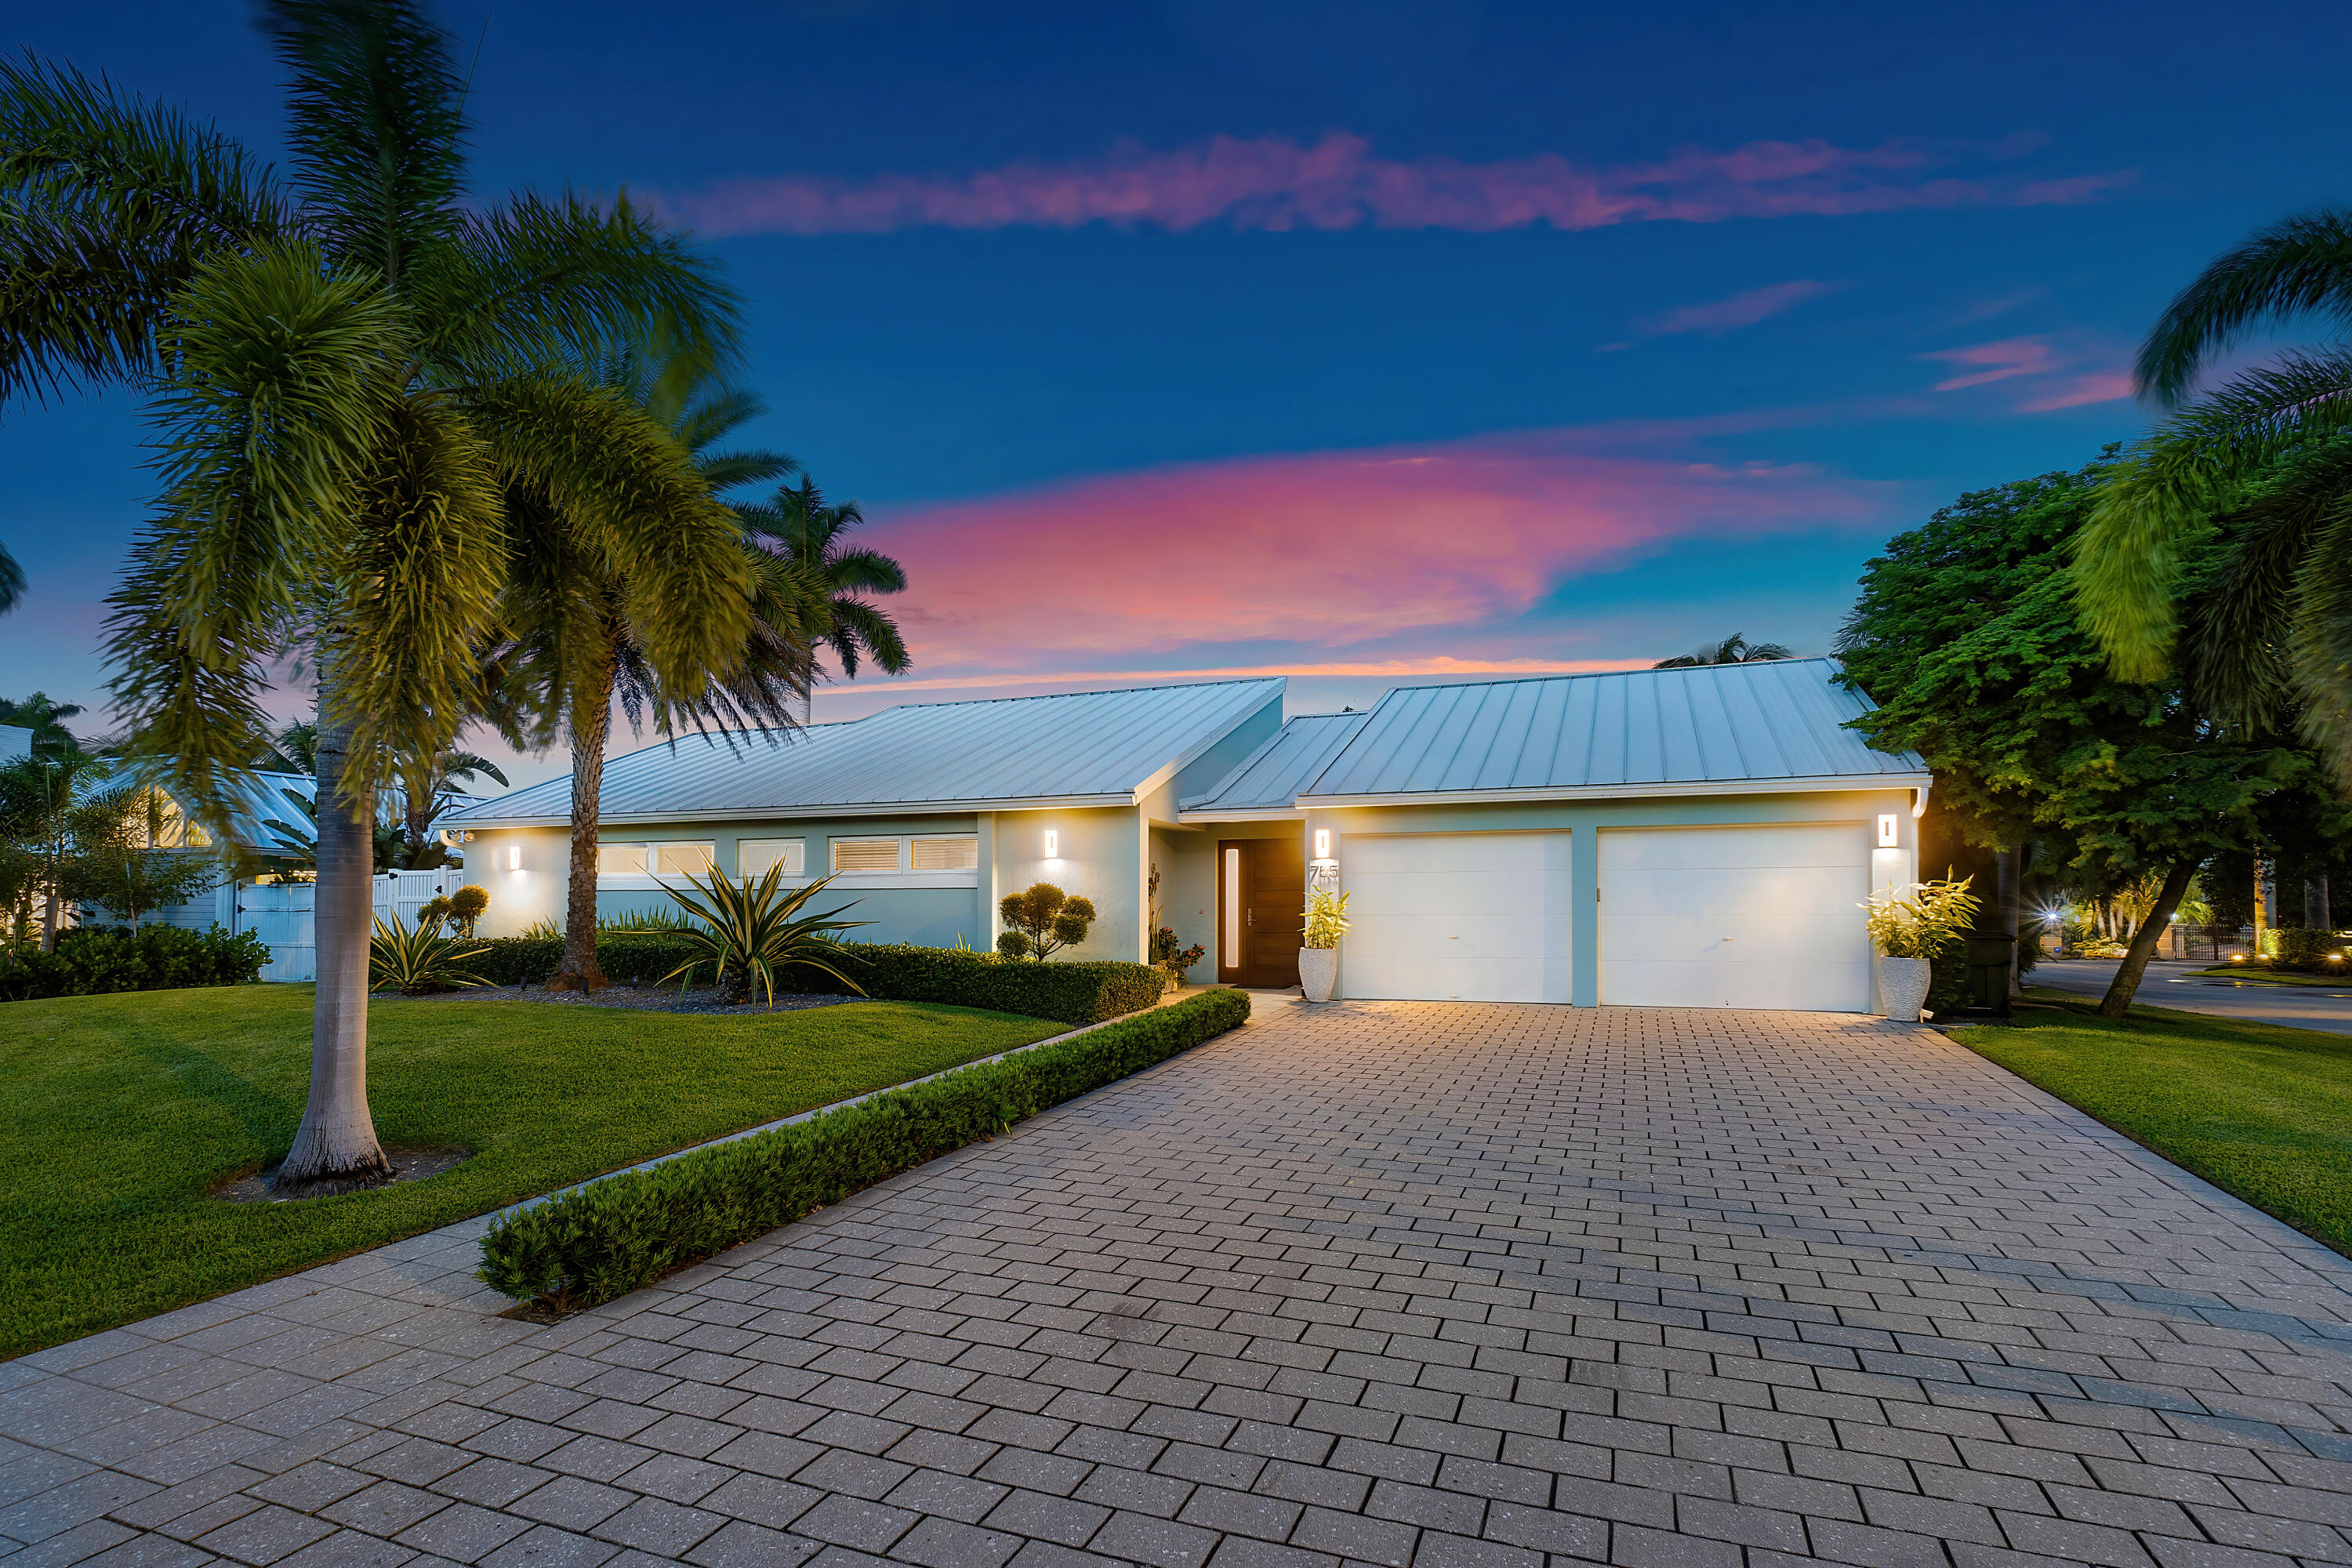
(751, 930)
(1045, 920)
(2303, 947)
(630, 961)
(1170, 954)
(1923, 919)
(418, 959)
(1327, 918)
(597, 1242)
(1084, 991)
(156, 958)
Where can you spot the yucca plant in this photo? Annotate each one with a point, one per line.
(418, 959)
(750, 930)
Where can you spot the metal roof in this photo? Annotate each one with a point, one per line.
(1084, 748)
(1743, 726)
(1268, 780)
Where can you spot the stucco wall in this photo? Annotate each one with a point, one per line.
(1586, 819)
(1098, 856)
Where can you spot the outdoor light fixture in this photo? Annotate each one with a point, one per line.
(1052, 845)
(1322, 844)
(2237, 958)
(1887, 832)
(514, 857)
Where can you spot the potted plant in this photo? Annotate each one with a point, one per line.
(1909, 926)
(1318, 950)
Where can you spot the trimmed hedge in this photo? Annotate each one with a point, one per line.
(1088, 992)
(603, 1240)
(91, 963)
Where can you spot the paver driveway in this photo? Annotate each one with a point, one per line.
(1396, 1283)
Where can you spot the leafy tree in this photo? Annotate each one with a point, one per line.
(38, 796)
(1042, 921)
(1965, 636)
(1733, 649)
(131, 860)
(2222, 547)
(353, 368)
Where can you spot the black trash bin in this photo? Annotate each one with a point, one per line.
(1989, 961)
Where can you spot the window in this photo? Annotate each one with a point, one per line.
(865, 855)
(620, 859)
(943, 855)
(757, 857)
(682, 859)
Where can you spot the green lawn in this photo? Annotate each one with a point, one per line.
(118, 1114)
(2259, 1110)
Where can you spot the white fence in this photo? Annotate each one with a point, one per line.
(284, 914)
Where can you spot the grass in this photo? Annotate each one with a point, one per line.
(119, 1114)
(2261, 1110)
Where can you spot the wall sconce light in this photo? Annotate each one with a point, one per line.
(1052, 845)
(1889, 836)
(1322, 844)
(514, 857)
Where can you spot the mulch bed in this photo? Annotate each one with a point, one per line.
(407, 1165)
(647, 999)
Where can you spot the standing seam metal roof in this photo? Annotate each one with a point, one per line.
(1071, 745)
(1270, 778)
(1781, 718)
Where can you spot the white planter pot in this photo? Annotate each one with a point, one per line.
(1902, 988)
(1318, 968)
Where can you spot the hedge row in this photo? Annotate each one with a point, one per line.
(603, 1240)
(2303, 948)
(1080, 993)
(157, 958)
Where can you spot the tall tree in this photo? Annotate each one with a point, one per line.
(2222, 547)
(576, 644)
(1733, 649)
(1965, 636)
(427, 787)
(353, 369)
(810, 536)
(45, 717)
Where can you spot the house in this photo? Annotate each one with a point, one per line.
(1686, 837)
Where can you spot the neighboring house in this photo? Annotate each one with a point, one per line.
(1687, 837)
(16, 743)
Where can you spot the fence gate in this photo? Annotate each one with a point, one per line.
(284, 914)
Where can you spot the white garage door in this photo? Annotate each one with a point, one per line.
(1455, 917)
(1736, 917)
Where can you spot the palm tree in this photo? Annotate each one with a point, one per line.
(2221, 546)
(45, 717)
(1733, 649)
(427, 787)
(577, 644)
(353, 373)
(807, 533)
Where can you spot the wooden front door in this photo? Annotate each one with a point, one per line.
(1261, 899)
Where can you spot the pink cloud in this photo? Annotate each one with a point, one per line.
(2060, 379)
(2008, 357)
(2075, 391)
(1323, 550)
(1742, 309)
(1275, 183)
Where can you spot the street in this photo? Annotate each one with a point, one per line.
(2172, 984)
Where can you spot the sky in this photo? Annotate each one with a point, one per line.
(1364, 342)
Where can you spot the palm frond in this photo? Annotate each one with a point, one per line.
(283, 377)
(2234, 653)
(426, 558)
(2304, 264)
(107, 206)
(860, 628)
(374, 118)
(2322, 642)
(540, 282)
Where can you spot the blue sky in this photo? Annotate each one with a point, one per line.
(1365, 341)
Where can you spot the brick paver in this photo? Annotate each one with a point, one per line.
(1378, 1282)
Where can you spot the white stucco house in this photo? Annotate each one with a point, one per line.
(1684, 837)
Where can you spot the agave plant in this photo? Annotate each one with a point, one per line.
(418, 959)
(750, 930)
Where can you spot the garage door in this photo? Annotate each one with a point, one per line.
(1736, 917)
(1455, 917)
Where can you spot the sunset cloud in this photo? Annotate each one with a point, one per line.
(2063, 376)
(1741, 309)
(1275, 183)
(1316, 559)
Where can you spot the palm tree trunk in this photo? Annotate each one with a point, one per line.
(592, 723)
(2117, 1003)
(334, 1148)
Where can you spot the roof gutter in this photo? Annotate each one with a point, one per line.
(804, 813)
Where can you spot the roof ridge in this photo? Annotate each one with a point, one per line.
(1098, 692)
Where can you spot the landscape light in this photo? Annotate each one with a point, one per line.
(1052, 845)
(2335, 958)
(2237, 958)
